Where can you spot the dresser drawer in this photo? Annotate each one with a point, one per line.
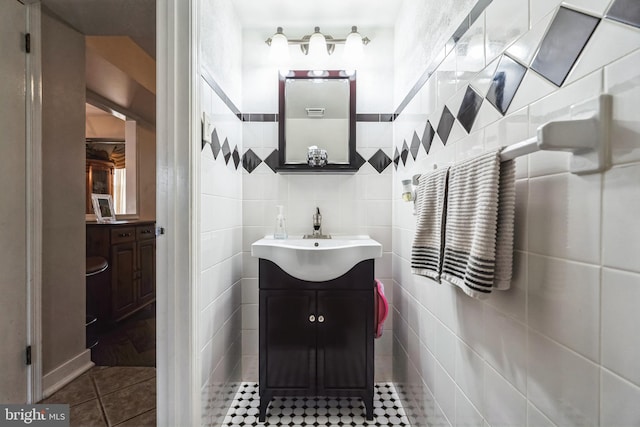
(122, 235)
(145, 232)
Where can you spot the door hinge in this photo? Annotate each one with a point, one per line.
(27, 42)
(28, 355)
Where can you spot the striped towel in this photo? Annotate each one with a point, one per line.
(426, 253)
(478, 249)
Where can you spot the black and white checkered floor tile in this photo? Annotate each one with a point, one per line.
(316, 411)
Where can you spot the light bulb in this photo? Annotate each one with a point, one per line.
(318, 46)
(279, 51)
(353, 47)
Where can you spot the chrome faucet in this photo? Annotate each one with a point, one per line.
(317, 227)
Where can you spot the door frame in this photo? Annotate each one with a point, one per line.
(34, 201)
(177, 209)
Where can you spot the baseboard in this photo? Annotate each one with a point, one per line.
(65, 373)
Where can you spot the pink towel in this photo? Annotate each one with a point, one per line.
(382, 308)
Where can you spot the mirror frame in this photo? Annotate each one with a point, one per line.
(282, 143)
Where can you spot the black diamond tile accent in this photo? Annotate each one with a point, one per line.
(359, 160)
(415, 145)
(250, 160)
(226, 151)
(625, 11)
(236, 157)
(445, 125)
(404, 153)
(215, 144)
(505, 83)
(427, 137)
(272, 160)
(396, 158)
(469, 108)
(566, 37)
(380, 161)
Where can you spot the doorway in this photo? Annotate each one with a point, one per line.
(128, 248)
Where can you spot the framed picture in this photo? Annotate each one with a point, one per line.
(103, 207)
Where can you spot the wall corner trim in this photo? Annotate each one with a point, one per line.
(67, 372)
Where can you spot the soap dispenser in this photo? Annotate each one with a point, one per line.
(281, 226)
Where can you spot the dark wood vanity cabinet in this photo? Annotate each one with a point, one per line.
(316, 338)
(130, 249)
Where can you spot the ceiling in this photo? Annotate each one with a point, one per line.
(298, 13)
(133, 18)
(136, 18)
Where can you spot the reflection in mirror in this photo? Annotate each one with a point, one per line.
(317, 109)
(111, 159)
(317, 113)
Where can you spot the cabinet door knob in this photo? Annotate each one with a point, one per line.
(312, 318)
(321, 319)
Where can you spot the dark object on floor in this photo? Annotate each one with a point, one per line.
(95, 265)
(130, 342)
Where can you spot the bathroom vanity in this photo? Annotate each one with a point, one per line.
(316, 336)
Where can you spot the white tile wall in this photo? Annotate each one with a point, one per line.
(622, 79)
(620, 353)
(220, 253)
(506, 20)
(559, 347)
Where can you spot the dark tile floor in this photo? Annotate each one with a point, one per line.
(130, 342)
(122, 396)
(121, 389)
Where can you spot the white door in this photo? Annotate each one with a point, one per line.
(13, 231)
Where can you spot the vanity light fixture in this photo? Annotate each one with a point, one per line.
(318, 44)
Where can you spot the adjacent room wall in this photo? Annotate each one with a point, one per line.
(63, 190)
(350, 204)
(146, 142)
(559, 347)
(220, 225)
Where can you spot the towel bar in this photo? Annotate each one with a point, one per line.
(586, 136)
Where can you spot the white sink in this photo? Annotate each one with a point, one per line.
(317, 260)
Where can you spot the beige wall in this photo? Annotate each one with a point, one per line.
(146, 173)
(63, 158)
(13, 202)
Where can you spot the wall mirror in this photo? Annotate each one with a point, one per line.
(317, 108)
(111, 158)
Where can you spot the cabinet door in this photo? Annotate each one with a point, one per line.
(146, 271)
(287, 340)
(345, 339)
(123, 292)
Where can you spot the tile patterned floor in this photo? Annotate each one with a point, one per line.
(111, 396)
(319, 411)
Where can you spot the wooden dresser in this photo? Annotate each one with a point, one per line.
(130, 249)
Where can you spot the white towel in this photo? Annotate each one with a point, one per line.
(478, 246)
(426, 253)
